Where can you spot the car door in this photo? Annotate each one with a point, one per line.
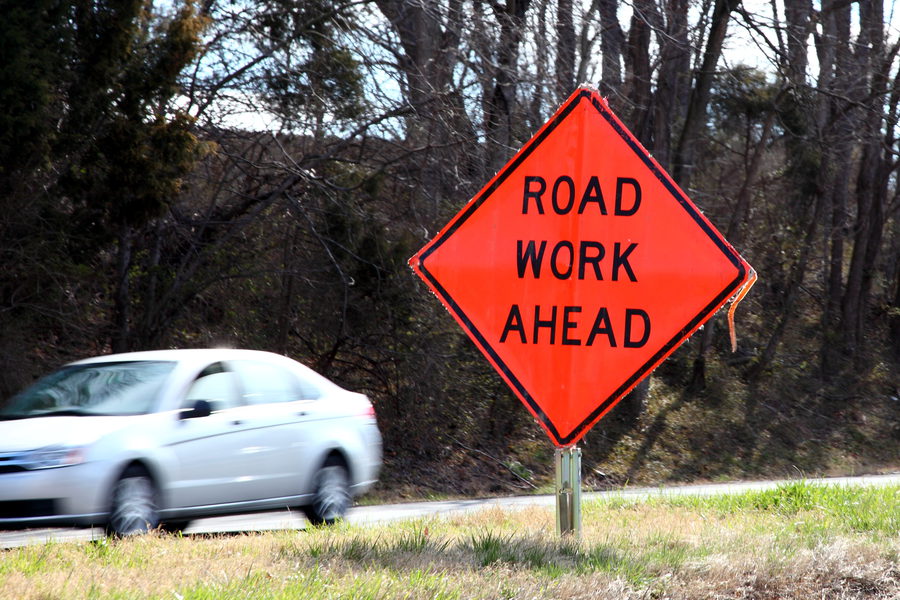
(217, 454)
(285, 409)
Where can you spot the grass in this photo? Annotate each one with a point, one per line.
(821, 509)
(796, 541)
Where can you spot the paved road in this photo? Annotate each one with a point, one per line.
(396, 512)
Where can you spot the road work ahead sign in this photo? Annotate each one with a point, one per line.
(579, 267)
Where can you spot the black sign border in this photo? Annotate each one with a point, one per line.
(680, 337)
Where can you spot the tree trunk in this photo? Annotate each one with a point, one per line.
(871, 190)
(147, 331)
(565, 50)
(612, 39)
(672, 81)
(734, 234)
(795, 282)
(836, 75)
(122, 298)
(872, 181)
(894, 314)
(538, 100)
(683, 160)
(502, 102)
(638, 74)
(429, 38)
(288, 284)
(798, 14)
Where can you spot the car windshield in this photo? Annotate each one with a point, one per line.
(114, 388)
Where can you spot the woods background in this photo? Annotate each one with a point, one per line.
(257, 173)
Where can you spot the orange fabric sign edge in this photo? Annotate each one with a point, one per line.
(418, 260)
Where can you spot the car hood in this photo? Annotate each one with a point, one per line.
(40, 432)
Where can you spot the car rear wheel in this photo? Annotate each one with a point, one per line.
(331, 498)
(133, 507)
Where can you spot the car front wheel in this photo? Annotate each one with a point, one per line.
(133, 508)
(331, 498)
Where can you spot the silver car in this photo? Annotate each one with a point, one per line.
(154, 439)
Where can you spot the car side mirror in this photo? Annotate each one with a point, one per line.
(200, 409)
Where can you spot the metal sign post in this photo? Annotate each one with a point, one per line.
(581, 251)
(568, 491)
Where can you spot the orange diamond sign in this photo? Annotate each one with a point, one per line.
(579, 267)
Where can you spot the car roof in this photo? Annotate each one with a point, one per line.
(176, 354)
(190, 356)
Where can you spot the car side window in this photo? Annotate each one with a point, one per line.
(264, 383)
(309, 390)
(217, 386)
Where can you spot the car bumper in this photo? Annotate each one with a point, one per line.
(367, 475)
(74, 495)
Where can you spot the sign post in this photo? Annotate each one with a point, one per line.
(568, 491)
(577, 269)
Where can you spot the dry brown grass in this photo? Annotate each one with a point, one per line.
(626, 551)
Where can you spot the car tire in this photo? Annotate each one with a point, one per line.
(331, 496)
(133, 507)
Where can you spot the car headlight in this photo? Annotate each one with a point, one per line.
(54, 456)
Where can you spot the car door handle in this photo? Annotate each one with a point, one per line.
(237, 422)
(302, 413)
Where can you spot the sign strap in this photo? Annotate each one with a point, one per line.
(737, 299)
